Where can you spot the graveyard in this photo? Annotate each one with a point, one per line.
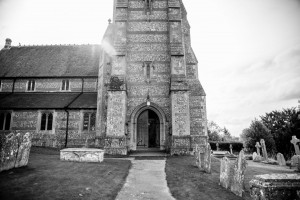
(80, 180)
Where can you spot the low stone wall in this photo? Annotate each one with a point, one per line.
(82, 155)
(275, 187)
(14, 150)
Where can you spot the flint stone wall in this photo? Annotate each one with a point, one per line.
(14, 150)
(275, 187)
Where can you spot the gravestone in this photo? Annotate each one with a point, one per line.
(295, 141)
(217, 147)
(295, 158)
(254, 155)
(280, 159)
(258, 148)
(207, 159)
(23, 151)
(226, 172)
(15, 150)
(237, 186)
(230, 147)
(197, 157)
(264, 149)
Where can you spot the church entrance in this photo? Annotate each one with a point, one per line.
(148, 130)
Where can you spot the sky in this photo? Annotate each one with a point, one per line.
(248, 50)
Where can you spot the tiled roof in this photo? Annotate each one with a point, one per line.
(50, 61)
(48, 101)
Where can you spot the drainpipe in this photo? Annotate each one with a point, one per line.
(68, 114)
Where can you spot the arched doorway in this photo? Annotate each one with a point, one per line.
(161, 125)
(148, 129)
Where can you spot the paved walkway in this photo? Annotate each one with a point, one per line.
(146, 180)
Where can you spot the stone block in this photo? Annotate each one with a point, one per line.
(15, 150)
(82, 155)
(275, 187)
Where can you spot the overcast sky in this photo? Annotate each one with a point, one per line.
(248, 50)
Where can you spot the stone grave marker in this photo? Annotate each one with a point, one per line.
(295, 141)
(237, 186)
(280, 159)
(258, 148)
(207, 159)
(264, 149)
(197, 156)
(295, 158)
(226, 172)
(15, 150)
(254, 155)
(218, 149)
(230, 147)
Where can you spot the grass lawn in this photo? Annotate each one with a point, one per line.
(46, 177)
(186, 181)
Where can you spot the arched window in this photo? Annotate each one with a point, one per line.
(46, 121)
(5, 119)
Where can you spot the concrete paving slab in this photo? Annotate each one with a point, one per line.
(146, 180)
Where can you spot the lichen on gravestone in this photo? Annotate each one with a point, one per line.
(240, 165)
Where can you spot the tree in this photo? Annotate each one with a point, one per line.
(255, 133)
(226, 135)
(213, 131)
(283, 125)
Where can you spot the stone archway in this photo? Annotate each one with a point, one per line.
(133, 125)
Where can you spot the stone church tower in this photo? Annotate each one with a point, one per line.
(149, 95)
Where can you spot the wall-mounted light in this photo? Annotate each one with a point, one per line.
(148, 100)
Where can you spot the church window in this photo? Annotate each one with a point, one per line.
(148, 71)
(5, 119)
(65, 86)
(46, 121)
(148, 6)
(89, 121)
(31, 85)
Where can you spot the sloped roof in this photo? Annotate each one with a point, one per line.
(48, 101)
(50, 61)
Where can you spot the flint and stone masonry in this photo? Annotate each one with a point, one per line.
(154, 97)
(139, 89)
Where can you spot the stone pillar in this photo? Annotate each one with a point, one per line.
(217, 145)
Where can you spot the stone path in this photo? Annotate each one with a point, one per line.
(146, 180)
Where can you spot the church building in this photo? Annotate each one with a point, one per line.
(138, 90)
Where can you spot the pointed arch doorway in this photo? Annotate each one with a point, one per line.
(148, 129)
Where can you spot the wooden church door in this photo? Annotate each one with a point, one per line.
(148, 132)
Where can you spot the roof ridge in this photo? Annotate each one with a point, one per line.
(53, 45)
